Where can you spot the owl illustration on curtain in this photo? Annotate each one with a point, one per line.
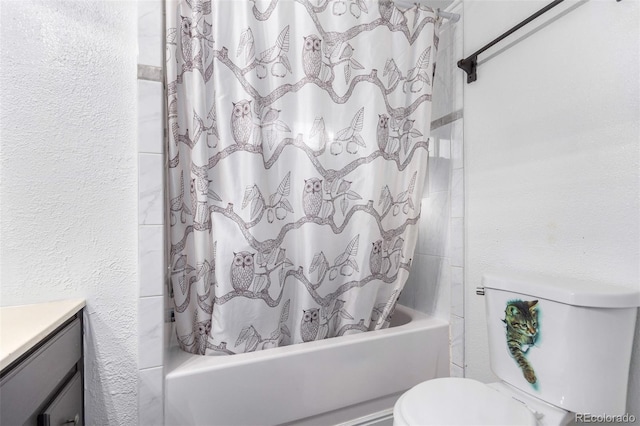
(242, 269)
(203, 328)
(312, 56)
(312, 197)
(375, 257)
(383, 131)
(310, 324)
(185, 38)
(241, 122)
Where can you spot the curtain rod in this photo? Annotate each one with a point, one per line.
(470, 63)
(453, 17)
(408, 4)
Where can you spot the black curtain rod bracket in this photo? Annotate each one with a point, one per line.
(469, 65)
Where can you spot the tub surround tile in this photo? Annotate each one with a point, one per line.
(441, 148)
(150, 113)
(457, 145)
(457, 242)
(151, 326)
(447, 70)
(150, 409)
(457, 193)
(170, 338)
(457, 291)
(457, 340)
(150, 22)
(434, 295)
(408, 294)
(459, 78)
(150, 190)
(427, 283)
(150, 331)
(151, 265)
(456, 370)
(426, 289)
(434, 225)
(440, 161)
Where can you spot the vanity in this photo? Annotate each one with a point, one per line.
(41, 364)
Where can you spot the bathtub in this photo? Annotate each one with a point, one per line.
(350, 379)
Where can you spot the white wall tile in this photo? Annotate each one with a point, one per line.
(457, 144)
(457, 193)
(427, 289)
(150, 45)
(150, 397)
(460, 77)
(150, 117)
(433, 237)
(457, 340)
(150, 331)
(417, 278)
(408, 294)
(150, 189)
(440, 160)
(447, 94)
(151, 264)
(457, 291)
(429, 269)
(439, 278)
(456, 370)
(457, 242)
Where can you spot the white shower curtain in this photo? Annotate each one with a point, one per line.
(298, 146)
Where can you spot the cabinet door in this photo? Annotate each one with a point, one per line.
(66, 407)
(33, 382)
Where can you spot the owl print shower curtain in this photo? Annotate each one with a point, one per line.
(298, 146)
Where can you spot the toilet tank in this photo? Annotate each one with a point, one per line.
(567, 342)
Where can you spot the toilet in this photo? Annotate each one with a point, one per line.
(559, 347)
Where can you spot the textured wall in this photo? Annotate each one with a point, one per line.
(69, 179)
(551, 154)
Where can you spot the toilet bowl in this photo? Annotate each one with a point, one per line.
(456, 401)
(537, 326)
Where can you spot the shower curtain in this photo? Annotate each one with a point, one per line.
(298, 146)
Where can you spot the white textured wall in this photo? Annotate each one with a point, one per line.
(69, 179)
(551, 152)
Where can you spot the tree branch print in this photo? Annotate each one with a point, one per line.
(238, 105)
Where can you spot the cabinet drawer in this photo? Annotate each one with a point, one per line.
(32, 382)
(66, 408)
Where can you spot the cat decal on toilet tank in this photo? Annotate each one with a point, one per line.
(521, 318)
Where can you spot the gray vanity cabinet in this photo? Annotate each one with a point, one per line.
(45, 386)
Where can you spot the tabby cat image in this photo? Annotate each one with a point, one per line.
(521, 318)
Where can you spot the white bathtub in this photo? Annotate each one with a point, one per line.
(318, 383)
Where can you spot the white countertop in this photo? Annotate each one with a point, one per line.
(22, 327)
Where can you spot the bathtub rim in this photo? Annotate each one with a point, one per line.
(180, 363)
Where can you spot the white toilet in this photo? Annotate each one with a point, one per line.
(559, 348)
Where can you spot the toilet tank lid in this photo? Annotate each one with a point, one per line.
(571, 291)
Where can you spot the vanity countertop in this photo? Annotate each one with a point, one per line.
(22, 327)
